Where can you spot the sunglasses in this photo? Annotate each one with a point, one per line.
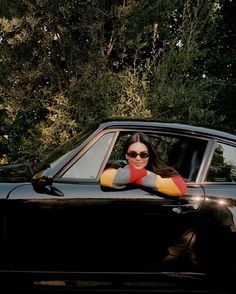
(134, 154)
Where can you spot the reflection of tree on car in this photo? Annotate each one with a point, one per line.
(216, 239)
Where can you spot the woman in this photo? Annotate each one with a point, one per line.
(144, 168)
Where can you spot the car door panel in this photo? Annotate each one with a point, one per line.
(91, 230)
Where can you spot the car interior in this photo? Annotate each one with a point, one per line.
(186, 157)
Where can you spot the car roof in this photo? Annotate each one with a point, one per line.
(168, 126)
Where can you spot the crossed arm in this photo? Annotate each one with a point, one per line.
(121, 177)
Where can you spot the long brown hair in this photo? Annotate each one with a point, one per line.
(155, 163)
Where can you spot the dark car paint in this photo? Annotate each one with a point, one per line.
(129, 214)
(85, 238)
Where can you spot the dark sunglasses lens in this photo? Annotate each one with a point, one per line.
(144, 154)
(134, 154)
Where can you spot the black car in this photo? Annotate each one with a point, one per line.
(60, 230)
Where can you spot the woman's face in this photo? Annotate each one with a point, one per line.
(137, 154)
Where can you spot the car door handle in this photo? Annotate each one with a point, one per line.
(184, 208)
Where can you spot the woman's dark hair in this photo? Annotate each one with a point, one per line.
(155, 163)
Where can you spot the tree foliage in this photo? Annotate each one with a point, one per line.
(66, 64)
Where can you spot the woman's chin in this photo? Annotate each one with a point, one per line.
(138, 166)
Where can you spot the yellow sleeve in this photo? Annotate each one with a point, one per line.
(107, 177)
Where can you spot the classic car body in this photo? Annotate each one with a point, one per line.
(62, 230)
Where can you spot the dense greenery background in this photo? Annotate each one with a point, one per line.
(67, 63)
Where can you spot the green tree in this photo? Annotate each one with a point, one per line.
(65, 64)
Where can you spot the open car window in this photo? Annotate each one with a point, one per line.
(183, 153)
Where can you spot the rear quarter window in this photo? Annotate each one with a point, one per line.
(223, 164)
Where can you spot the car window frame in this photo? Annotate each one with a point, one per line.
(117, 131)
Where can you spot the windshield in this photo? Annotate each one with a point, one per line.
(55, 158)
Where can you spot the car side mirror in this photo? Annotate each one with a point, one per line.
(43, 185)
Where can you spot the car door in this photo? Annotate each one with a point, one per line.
(81, 227)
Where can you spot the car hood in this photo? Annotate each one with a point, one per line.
(6, 188)
(13, 176)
